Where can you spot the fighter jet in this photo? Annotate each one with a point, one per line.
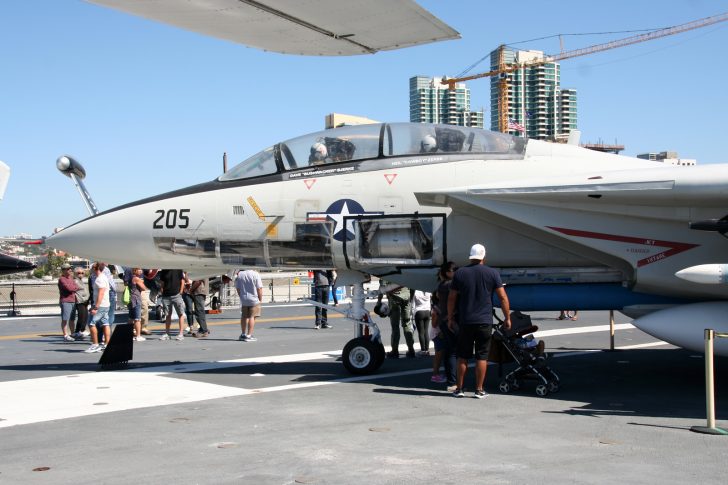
(566, 226)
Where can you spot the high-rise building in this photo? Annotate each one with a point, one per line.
(432, 102)
(537, 105)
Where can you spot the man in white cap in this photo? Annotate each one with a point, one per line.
(472, 291)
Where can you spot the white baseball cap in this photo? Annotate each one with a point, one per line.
(477, 252)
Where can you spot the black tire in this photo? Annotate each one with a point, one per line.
(361, 356)
(381, 355)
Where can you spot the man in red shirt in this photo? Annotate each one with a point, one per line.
(67, 288)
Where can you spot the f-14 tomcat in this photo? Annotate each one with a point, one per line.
(566, 226)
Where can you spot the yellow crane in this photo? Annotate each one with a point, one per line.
(503, 68)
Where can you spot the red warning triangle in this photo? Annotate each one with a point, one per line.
(309, 183)
(390, 177)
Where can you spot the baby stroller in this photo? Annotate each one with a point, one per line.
(518, 345)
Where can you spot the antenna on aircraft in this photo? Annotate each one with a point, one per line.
(71, 168)
(224, 162)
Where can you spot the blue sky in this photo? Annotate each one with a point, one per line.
(149, 108)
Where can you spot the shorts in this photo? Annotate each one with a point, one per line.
(135, 312)
(67, 310)
(101, 317)
(439, 343)
(173, 301)
(477, 336)
(250, 311)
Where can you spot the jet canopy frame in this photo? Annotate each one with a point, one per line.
(375, 141)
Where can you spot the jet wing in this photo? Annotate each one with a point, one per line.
(305, 27)
(638, 216)
(670, 186)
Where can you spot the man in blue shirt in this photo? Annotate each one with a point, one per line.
(472, 291)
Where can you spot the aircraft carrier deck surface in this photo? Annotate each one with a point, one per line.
(282, 410)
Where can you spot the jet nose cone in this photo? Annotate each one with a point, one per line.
(84, 239)
(9, 265)
(118, 237)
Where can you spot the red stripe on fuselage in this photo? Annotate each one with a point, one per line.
(674, 247)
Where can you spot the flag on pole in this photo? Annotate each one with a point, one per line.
(513, 125)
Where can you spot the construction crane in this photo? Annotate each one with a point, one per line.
(503, 68)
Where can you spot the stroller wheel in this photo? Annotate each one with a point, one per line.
(505, 387)
(542, 390)
(553, 386)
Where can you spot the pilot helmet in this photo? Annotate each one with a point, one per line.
(319, 151)
(429, 144)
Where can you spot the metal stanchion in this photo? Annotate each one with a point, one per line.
(611, 329)
(710, 386)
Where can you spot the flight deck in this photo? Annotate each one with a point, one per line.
(283, 410)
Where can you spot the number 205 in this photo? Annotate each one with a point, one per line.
(172, 219)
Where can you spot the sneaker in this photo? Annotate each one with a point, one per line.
(243, 337)
(451, 387)
(411, 354)
(102, 347)
(188, 330)
(250, 338)
(438, 378)
(201, 334)
(317, 326)
(139, 339)
(480, 394)
(68, 338)
(179, 338)
(165, 337)
(326, 325)
(393, 355)
(85, 333)
(92, 349)
(458, 393)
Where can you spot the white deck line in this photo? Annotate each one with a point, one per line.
(49, 398)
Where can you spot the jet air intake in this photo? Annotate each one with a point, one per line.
(396, 241)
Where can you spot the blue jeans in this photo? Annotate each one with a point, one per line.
(101, 317)
(112, 306)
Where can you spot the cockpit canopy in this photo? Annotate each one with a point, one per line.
(374, 141)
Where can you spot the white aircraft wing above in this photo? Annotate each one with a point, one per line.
(4, 176)
(302, 27)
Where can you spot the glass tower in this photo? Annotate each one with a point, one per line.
(536, 100)
(432, 102)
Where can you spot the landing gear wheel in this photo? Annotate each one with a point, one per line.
(542, 390)
(505, 387)
(553, 386)
(361, 356)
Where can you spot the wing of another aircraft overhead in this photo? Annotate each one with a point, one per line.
(321, 27)
(4, 176)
